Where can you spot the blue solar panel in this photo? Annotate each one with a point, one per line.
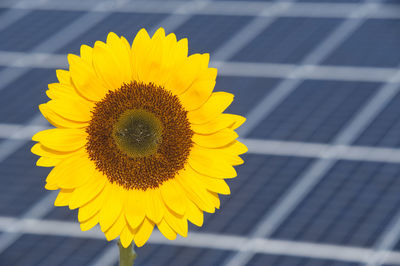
(206, 33)
(363, 50)
(331, 1)
(384, 130)
(132, 23)
(287, 40)
(177, 255)
(350, 206)
(21, 182)
(254, 193)
(51, 250)
(19, 101)
(276, 260)
(353, 203)
(297, 118)
(34, 28)
(247, 91)
(2, 10)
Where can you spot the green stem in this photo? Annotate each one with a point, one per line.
(127, 255)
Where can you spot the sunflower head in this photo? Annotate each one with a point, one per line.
(140, 138)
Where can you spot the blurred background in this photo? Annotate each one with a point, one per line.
(319, 82)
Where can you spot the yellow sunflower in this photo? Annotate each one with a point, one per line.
(140, 139)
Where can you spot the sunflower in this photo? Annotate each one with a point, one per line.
(140, 139)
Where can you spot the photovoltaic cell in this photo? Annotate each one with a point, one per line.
(260, 184)
(287, 40)
(384, 130)
(315, 112)
(362, 50)
(34, 28)
(52, 250)
(351, 205)
(206, 33)
(277, 260)
(247, 91)
(19, 101)
(177, 255)
(21, 182)
(125, 24)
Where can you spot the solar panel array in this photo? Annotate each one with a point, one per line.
(303, 72)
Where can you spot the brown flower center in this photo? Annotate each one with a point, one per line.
(139, 136)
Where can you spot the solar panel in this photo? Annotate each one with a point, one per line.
(314, 207)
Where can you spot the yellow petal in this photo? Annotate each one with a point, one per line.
(154, 205)
(224, 155)
(88, 84)
(41, 150)
(116, 229)
(216, 140)
(215, 105)
(214, 198)
(140, 48)
(47, 162)
(166, 230)
(63, 197)
(215, 184)
(143, 232)
(121, 53)
(194, 190)
(173, 196)
(87, 54)
(151, 65)
(219, 123)
(90, 223)
(235, 147)
(112, 206)
(217, 167)
(134, 207)
(61, 139)
(194, 214)
(51, 187)
(72, 109)
(126, 236)
(197, 94)
(184, 74)
(89, 191)
(72, 172)
(107, 67)
(60, 90)
(177, 222)
(59, 121)
(93, 206)
(63, 76)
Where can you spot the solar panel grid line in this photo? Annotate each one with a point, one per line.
(108, 257)
(204, 240)
(327, 46)
(233, 8)
(13, 233)
(389, 238)
(9, 146)
(316, 171)
(255, 27)
(17, 10)
(316, 72)
(324, 151)
(261, 146)
(51, 44)
(229, 68)
(330, 155)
